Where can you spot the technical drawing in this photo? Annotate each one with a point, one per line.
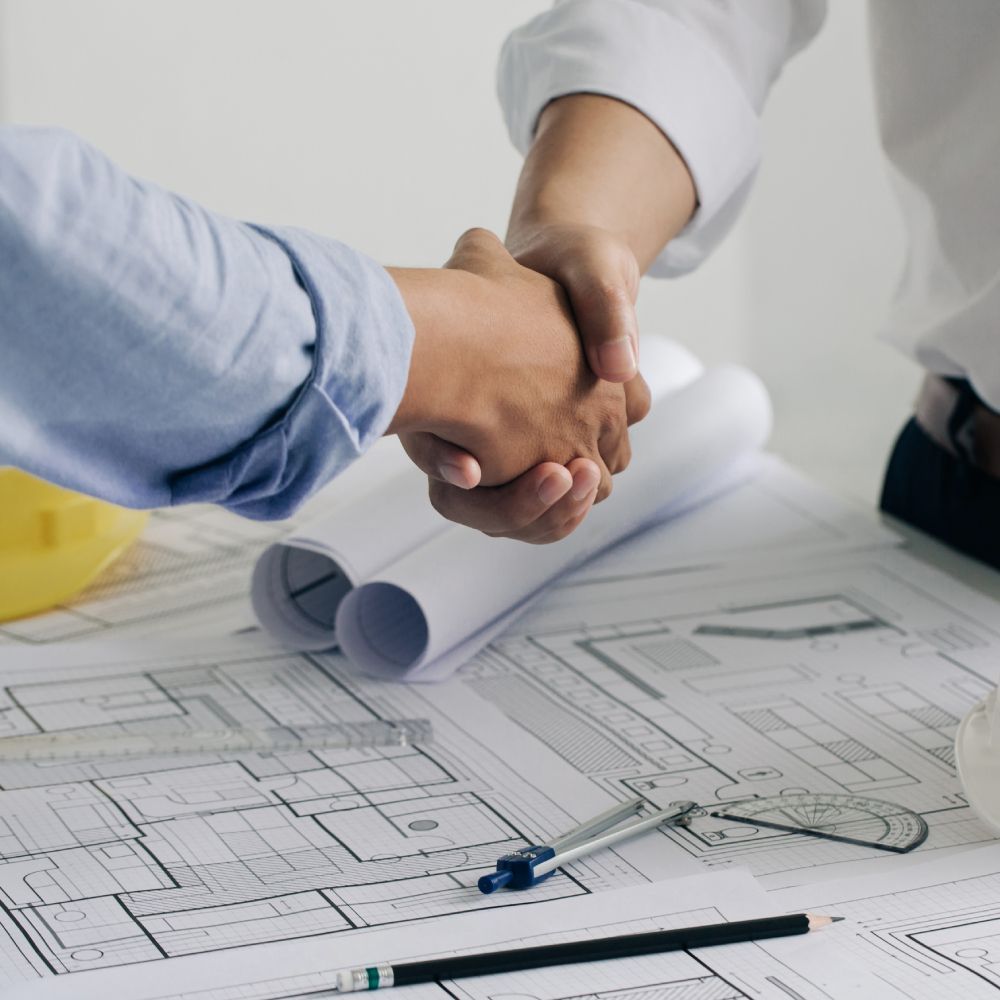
(933, 933)
(707, 987)
(773, 687)
(112, 861)
(974, 945)
(910, 716)
(832, 751)
(107, 863)
(187, 559)
(809, 618)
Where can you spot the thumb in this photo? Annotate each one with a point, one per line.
(605, 317)
(442, 461)
(477, 250)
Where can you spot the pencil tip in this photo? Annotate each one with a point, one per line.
(834, 920)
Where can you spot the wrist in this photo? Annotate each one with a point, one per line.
(599, 162)
(436, 300)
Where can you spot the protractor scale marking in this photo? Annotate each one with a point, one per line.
(848, 819)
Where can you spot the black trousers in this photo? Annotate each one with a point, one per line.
(943, 495)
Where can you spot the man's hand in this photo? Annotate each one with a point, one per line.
(543, 505)
(600, 274)
(498, 371)
(601, 192)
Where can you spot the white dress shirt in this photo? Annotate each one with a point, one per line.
(701, 70)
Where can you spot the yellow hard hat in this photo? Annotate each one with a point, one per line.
(54, 542)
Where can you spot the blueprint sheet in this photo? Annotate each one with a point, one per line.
(832, 685)
(827, 689)
(190, 570)
(811, 967)
(191, 564)
(834, 681)
(926, 933)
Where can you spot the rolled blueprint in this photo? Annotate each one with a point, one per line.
(378, 511)
(429, 611)
(408, 595)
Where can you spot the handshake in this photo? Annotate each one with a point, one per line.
(523, 380)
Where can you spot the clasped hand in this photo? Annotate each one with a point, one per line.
(517, 434)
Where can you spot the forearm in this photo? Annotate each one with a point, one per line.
(155, 352)
(599, 162)
(442, 304)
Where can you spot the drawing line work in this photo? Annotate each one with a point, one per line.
(933, 933)
(188, 560)
(847, 690)
(196, 560)
(111, 861)
(761, 970)
(836, 695)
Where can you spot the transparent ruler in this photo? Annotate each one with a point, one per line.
(88, 744)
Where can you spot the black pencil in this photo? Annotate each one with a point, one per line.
(594, 950)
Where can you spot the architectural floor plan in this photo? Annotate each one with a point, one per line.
(191, 568)
(834, 686)
(934, 933)
(810, 968)
(111, 862)
(188, 559)
(820, 690)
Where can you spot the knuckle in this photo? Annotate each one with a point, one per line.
(556, 534)
(569, 526)
(612, 421)
(510, 514)
(604, 290)
(477, 235)
(624, 456)
(440, 496)
(637, 399)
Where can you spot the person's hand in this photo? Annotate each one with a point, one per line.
(601, 193)
(547, 503)
(542, 505)
(498, 371)
(600, 275)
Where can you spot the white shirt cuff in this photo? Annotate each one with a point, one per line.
(649, 59)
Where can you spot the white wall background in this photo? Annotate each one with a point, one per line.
(375, 121)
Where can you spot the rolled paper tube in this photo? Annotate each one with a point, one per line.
(376, 514)
(429, 611)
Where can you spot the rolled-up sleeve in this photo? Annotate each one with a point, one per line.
(699, 69)
(156, 353)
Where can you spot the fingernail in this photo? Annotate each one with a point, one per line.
(584, 483)
(452, 474)
(553, 487)
(617, 358)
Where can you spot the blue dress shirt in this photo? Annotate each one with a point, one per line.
(154, 353)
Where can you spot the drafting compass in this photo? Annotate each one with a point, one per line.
(531, 865)
(846, 819)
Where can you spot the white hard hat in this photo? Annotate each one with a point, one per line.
(977, 757)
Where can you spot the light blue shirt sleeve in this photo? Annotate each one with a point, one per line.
(154, 353)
